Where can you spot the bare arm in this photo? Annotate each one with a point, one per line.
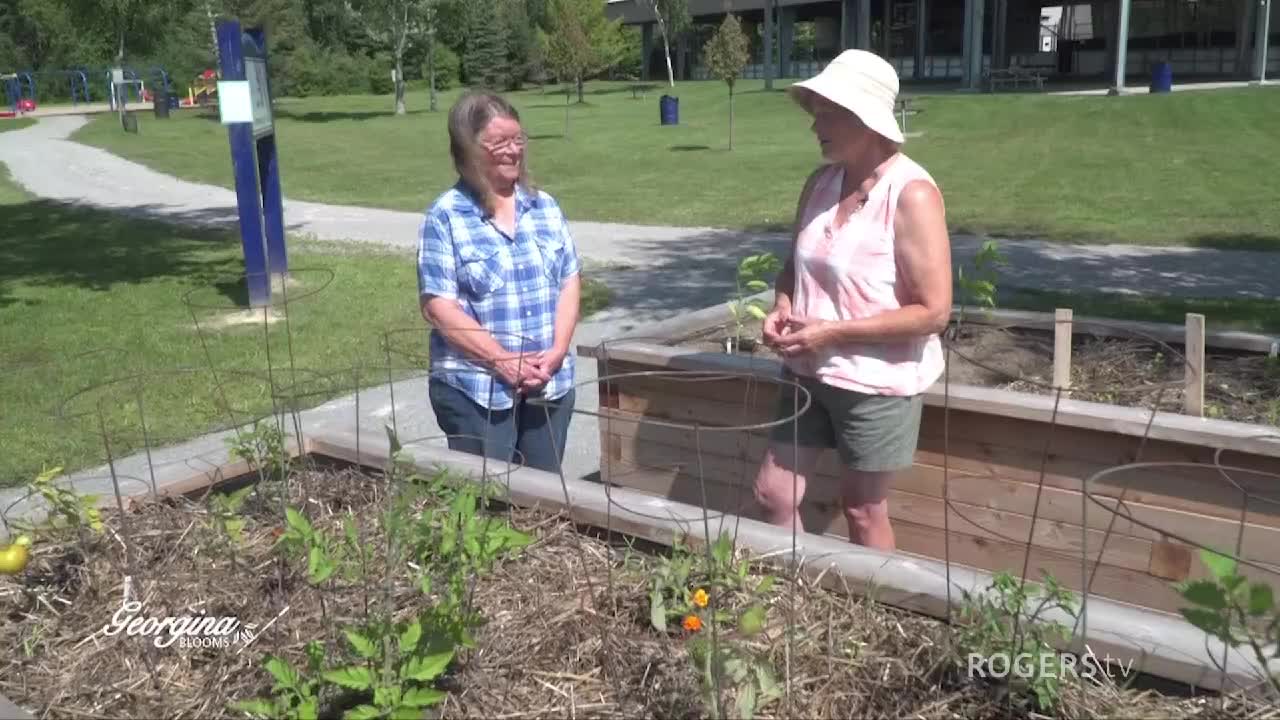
(923, 249)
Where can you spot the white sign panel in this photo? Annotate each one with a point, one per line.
(234, 104)
(255, 69)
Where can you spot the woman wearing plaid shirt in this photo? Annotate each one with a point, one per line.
(498, 282)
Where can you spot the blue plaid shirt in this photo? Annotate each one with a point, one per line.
(509, 286)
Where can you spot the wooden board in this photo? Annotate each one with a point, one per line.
(1073, 456)
(984, 484)
(728, 492)
(1109, 581)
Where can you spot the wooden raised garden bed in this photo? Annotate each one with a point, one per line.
(999, 472)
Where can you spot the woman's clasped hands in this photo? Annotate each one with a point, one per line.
(793, 335)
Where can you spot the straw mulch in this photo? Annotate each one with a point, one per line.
(567, 631)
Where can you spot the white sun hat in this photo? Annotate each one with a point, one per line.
(862, 83)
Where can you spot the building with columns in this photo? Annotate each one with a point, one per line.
(962, 40)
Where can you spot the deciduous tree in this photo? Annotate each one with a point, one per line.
(727, 53)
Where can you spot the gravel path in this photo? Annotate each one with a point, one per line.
(656, 272)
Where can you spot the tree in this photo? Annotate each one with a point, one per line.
(485, 59)
(124, 18)
(583, 42)
(519, 31)
(673, 18)
(430, 16)
(727, 54)
(393, 25)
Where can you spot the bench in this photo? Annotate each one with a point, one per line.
(1016, 77)
(638, 87)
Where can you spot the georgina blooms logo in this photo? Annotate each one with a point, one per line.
(188, 631)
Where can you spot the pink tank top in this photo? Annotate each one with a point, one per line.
(852, 273)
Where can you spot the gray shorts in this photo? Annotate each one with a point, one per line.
(872, 433)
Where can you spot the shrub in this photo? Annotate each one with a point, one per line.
(448, 66)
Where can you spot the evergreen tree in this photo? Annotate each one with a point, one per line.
(519, 30)
(485, 61)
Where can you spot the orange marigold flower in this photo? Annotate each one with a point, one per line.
(692, 623)
(700, 598)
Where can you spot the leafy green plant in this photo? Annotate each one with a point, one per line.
(754, 274)
(1008, 621)
(671, 593)
(323, 552)
(295, 695)
(455, 543)
(225, 511)
(67, 508)
(262, 448)
(1237, 612)
(979, 287)
(723, 612)
(731, 670)
(398, 662)
(430, 533)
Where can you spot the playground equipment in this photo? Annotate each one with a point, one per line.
(20, 93)
(45, 86)
(119, 82)
(159, 79)
(204, 91)
(79, 83)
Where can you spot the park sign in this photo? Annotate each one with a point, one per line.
(244, 106)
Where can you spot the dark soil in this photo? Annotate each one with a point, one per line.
(1134, 372)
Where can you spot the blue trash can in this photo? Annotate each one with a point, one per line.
(1162, 78)
(669, 110)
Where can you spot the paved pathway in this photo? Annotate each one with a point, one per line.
(1177, 87)
(656, 272)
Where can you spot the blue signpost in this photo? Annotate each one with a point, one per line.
(244, 102)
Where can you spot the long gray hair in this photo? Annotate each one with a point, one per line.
(467, 119)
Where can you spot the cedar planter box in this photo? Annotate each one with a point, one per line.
(989, 461)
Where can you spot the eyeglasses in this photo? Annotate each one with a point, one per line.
(518, 142)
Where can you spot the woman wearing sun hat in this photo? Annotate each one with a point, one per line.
(860, 304)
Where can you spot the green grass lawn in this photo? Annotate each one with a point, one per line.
(1245, 314)
(87, 297)
(1184, 168)
(15, 124)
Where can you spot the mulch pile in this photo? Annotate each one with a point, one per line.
(567, 631)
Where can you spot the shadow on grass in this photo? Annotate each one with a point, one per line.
(1238, 241)
(50, 244)
(560, 105)
(689, 148)
(333, 116)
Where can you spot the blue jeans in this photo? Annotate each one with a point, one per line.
(524, 427)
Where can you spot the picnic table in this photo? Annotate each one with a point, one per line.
(1015, 76)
